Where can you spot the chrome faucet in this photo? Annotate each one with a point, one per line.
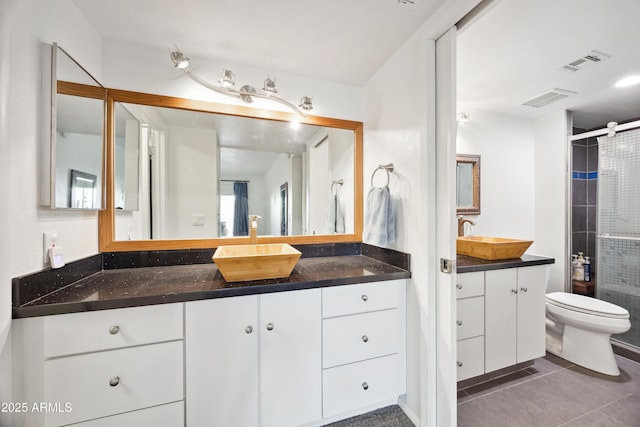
(253, 229)
(461, 221)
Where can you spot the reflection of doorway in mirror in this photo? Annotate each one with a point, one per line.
(227, 203)
(284, 209)
(83, 187)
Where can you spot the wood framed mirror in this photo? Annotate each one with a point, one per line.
(467, 184)
(191, 154)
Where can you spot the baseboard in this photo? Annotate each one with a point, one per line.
(402, 403)
(625, 350)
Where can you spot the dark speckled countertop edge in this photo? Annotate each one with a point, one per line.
(467, 264)
(82, 306)
(36, 294)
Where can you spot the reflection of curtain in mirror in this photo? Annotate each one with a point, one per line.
(241, 209)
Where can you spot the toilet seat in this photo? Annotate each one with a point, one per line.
(586, 305)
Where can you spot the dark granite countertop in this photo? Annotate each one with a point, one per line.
(467, 264)
(130, 287)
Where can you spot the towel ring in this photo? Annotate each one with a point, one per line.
(336, 183)
(387, 168)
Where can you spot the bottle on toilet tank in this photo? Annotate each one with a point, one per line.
(578, 269)
(574, 263)
(587, 269)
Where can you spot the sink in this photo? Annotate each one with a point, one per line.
(491, 248)
(238, 263)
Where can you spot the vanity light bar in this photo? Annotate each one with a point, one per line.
(226, 86)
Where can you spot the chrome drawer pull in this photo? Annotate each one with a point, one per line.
(514, 291)
(114, 381)
(459, 364)
(459, 322)
(365, 297)
(365, 338)
(269, 326)
(523, 289)
(248, 329)
(114, 330)
(365, 385)
(459, 286)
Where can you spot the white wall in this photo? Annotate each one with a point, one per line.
(395, 132)
(23, 25)
(506, 148)
(551, 181)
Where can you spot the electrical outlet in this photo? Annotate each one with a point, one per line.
(50, 238)
(197, 219)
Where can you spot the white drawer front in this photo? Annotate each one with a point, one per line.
(470, 317)
(470, 358)
(75, 333)
(363, 336)
(148, 375)
(469, 284)
(351, 299)
(170, 415)
(349, 387)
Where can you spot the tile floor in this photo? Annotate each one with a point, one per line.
(555, 393)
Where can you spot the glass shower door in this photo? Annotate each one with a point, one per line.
(618, 241)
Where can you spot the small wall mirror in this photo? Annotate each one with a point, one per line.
(468, 184)
(77, 137)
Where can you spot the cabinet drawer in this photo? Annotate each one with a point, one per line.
(469, 284)
(470, 358)
(363, 336)
(349, 387)
(171, 415)
(75, 333)
(351, 299)
(470, 317)
(147, 376)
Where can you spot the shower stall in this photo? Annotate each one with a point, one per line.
(616, 237)
(618, 229)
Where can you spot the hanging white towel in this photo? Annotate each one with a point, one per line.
(335, 216)
(380, 228)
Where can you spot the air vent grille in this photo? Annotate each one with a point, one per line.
(548, 97)
(586, 61)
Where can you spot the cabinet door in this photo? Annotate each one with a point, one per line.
(290, 351)
(501, 317)
(532, 284)
(222, 362)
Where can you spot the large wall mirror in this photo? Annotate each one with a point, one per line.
(77, 135)
(186, 174)
(468, 184)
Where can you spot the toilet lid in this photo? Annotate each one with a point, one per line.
(586, 305)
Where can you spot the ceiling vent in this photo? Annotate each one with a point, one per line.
(586, 61)
(548, 97)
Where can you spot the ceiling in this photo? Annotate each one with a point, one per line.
(335, 40)
(516, 50)
(512, 53)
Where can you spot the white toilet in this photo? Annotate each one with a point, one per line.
(579, 327)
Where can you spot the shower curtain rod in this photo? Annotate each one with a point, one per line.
(605, 131)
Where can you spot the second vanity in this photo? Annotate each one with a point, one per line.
(172, 345)
(500, 313)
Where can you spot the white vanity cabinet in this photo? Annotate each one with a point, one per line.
(254, 360)
(500, 318)
(363, 339)
(470, 318)
(515, 316)
(106, 367)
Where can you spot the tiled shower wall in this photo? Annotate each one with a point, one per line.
(584, 187)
